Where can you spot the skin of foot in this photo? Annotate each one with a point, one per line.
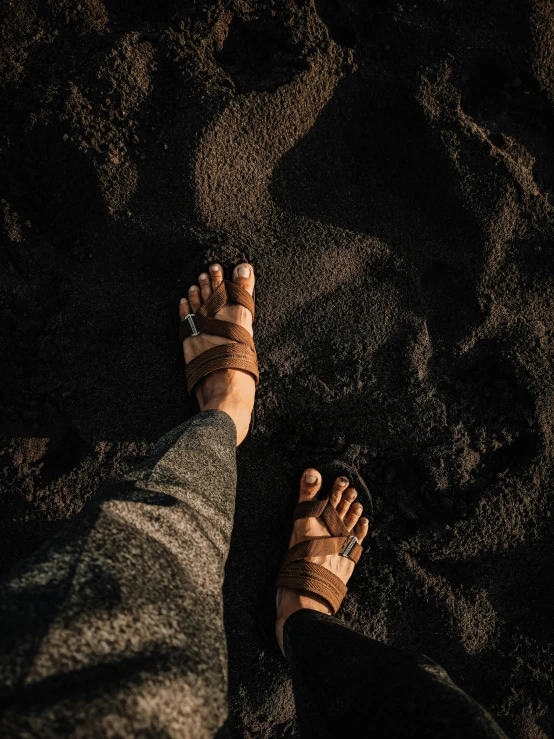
(231, 391)
(343, 499)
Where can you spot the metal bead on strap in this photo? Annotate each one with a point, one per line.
(353, 540)
(190, 318)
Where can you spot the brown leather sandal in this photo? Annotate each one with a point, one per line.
(239, 354)
(297, 572)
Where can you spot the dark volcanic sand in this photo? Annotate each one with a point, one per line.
(389, 169)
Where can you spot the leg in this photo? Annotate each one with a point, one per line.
(348, 684)
(345, 682)
(115, 628)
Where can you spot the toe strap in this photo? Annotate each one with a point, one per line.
(315, 579)
(225, 293)
(325, 510)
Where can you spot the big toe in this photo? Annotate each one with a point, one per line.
(309, 484)
(243, 275)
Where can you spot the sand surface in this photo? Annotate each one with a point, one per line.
(389, 170)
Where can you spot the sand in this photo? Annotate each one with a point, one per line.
(388, 169)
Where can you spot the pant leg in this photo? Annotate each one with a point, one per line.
(115, 627)
(346, 684)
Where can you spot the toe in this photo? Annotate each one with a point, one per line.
(309, 484)
(243, 275)
(336, 491)
(216, 273)
(362, 527)
(194, 298)
(353, 515)
(205, 286)
(184, 308)
(348, 497)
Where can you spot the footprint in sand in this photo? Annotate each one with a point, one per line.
(284, 77)
(509, 103)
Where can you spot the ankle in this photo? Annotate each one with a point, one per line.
(231, 391)
(289, 601)
(240, 414)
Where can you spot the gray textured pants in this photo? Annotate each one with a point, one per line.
(115, 627)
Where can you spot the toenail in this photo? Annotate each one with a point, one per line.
(310, 479)
(244, 272)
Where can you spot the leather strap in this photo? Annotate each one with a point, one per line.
(313, 578)
(225, 356)
(321, 546)
(213, 326)
(239, 354)
(322, 509)
(227, 292)
(310, 508)
(333, 521)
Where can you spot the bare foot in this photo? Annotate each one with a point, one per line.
(231, 391)
(290, 600)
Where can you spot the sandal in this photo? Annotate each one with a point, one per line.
(239, 354)
(297, 572)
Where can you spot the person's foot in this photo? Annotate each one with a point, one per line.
(343, 499)
(231, 391)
